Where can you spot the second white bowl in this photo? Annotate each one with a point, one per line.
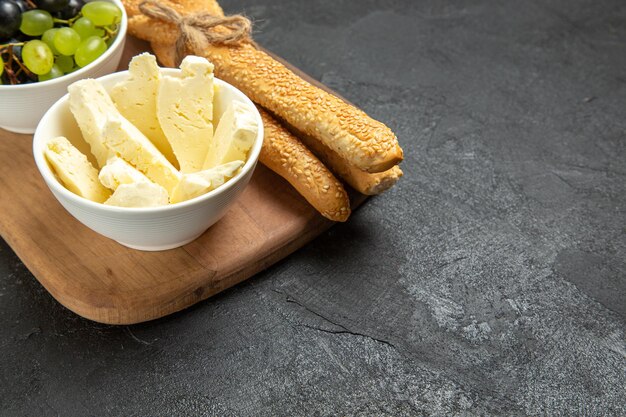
(23, 105)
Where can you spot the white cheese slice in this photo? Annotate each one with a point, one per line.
(74, 170)
(133, 146)
(90, 104)
(199, 183)
(234, 136)
(117, 172)
(138, 194)
(136, 100)
(185, 112)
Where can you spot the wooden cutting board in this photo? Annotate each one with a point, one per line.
(104, 281)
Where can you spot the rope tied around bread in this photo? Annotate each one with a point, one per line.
(197, 31)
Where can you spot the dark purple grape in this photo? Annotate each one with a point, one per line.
(22, 5)
(10, 18)
(51, 5)
(17, 49)
(71, 10)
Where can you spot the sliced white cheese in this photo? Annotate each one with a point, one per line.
(74, 170)
(91, 105)
(234, 136)
(133, 146)
(199, 183)
(138, 194)
(185, 112)
(117, 172)
(136, 100)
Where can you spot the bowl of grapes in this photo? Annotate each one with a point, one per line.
(46, 45)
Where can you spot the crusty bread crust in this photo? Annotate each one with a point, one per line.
(363, 142)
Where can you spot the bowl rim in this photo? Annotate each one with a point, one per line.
(80, 73)
(55, 185)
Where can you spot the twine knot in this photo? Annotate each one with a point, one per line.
(198, 30)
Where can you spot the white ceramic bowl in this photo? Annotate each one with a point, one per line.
(156, 228)
(22, 106)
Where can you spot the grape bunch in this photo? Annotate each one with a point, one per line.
(45, 39)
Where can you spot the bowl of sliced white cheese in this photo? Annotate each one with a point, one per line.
(150, 157)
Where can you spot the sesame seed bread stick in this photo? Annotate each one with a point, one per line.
(284, 154)
(365, 143)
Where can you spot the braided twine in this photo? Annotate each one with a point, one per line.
(197, 31)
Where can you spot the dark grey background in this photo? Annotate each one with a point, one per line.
(491, 280)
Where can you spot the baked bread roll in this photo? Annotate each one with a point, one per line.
(284, 154)
(363, 142)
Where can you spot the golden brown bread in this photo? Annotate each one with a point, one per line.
(363, 142)
(284, 154)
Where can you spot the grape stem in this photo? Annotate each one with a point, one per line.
(11, 76)
(23, 67)
(8, 68)
(7, 45)
(68, 22)
(31, 5)
(109, 33)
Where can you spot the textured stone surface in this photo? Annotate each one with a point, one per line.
(491, 280)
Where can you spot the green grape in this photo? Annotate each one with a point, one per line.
(84, 27)
(102, 13)
(48, 39)
(37, 57)
(55, 72)
(1, 66)
(89, 50)
(65, 63)
(36, 22)
(66, 40)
